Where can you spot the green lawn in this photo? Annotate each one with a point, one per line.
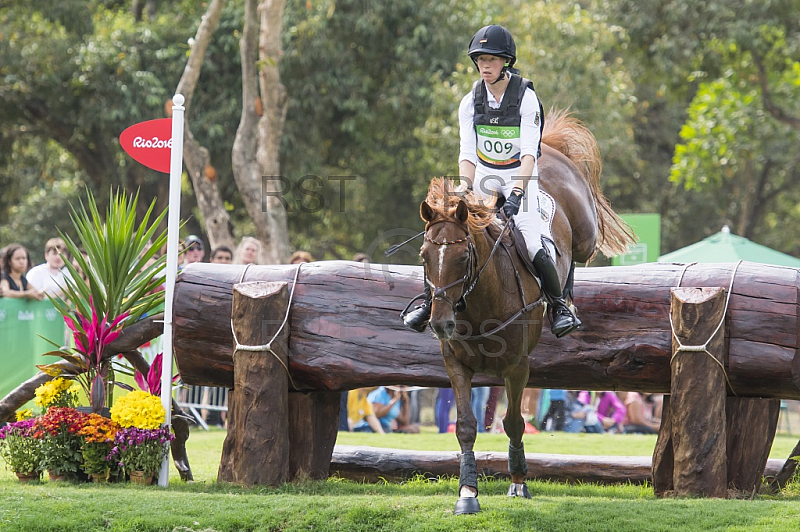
(418, 505)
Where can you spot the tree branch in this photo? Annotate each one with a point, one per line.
(778, 113)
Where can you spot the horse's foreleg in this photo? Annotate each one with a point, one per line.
(514, 425)
(466, 430)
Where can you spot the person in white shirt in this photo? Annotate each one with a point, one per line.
(49, 276)
(500, 125)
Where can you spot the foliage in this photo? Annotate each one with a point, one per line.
(18, 447)
(143, 450)
(59, 429)
(152, 383)
(55, 393)
(138, 409)
(98, 434)
(123, 280)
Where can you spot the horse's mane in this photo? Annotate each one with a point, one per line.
(571, 137)
(444, 195)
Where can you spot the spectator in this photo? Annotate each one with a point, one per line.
(300, 256)
(222, 255)
(391, 407)
(638, 418)
(248, 251)
(15, 262)
(360, 257)
(609, 407)
(478, 401)
(360, 415)
(557, 412)
(49, 276)
(193, 251)
(444, 402)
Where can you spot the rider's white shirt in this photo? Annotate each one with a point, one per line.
(529, 134)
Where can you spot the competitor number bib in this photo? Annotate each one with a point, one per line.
(498, 145)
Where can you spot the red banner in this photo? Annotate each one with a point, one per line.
(150, 143)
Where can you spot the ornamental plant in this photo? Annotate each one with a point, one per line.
(19, 448)
(152, 383)
(122, 280)
(138, 409)
(141, 449)
(59, 429)
(98, 441)
(55, 393)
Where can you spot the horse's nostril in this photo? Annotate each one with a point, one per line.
(449, 328)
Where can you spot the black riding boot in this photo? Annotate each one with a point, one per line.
(418, 318)
(562, 320)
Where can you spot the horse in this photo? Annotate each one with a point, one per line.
(487, 309)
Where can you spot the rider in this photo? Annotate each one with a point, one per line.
(500, 144)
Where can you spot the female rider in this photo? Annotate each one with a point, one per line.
(500, 123)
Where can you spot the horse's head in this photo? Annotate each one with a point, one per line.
(447, 256)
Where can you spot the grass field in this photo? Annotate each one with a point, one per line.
(417, 505)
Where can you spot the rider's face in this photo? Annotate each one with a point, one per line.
(490, 66)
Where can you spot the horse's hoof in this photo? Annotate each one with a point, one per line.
(467, 505)
(519, 490)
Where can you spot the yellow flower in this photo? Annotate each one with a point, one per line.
(57, 392)
(24, 414)
(138, 409)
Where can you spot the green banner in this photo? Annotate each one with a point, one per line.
(648, 247)
(21, 323)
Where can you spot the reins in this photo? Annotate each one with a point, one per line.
(439, 292)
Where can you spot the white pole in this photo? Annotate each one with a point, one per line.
(173, 224)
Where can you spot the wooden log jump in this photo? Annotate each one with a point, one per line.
(374, 464)
(346, 332)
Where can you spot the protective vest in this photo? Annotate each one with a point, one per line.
(498, 130)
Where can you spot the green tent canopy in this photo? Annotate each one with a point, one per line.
(727, 247)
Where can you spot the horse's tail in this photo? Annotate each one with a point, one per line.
(571, 137)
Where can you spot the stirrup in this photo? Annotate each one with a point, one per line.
(418, 318)
(561, 327)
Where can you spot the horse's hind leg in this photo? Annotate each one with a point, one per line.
(514, 425)
(466, 431)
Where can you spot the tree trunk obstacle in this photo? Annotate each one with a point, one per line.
(371, 464)
(274, 436)
(708, 442)
(345, 333)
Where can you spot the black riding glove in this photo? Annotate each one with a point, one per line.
(511, 207)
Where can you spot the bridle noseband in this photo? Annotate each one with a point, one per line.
(439, 292)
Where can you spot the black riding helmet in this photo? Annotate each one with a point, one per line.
(493, 40)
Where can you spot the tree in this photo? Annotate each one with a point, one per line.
(255, 151)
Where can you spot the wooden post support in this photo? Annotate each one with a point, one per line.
(313, 426)
(256, 450)
(663, 455)
(698, 392)
(751, 424)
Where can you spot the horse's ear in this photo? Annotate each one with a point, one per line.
(425, 211)
(462, 212)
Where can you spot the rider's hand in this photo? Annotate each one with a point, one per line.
(511, 207)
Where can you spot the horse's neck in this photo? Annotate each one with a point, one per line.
(489, 283)
(500, 266)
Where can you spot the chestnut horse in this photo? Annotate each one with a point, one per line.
(487, 309)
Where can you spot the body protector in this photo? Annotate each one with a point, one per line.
(498, 143)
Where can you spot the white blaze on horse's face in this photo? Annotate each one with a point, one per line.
(442, 249)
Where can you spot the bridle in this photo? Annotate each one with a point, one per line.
(438, 293)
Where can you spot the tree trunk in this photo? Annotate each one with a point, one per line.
(313, 426)
(374, 464)
(697, 395)
(258, 431)
(250, 149)
(215, 220)
(350, 313)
